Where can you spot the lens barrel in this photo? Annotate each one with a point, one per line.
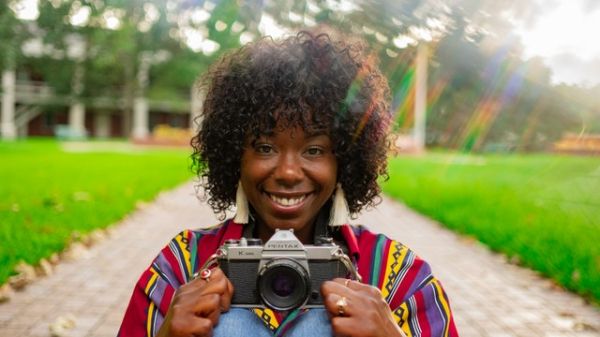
(283, 284)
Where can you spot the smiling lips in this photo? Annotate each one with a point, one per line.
(287, 202)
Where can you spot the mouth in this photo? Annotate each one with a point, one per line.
(290, 201)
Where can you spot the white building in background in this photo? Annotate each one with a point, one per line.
(33, 109)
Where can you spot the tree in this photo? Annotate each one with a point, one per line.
(481, 92)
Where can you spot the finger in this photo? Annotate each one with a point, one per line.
(357, 326)
(220, 284)
(217, 283)
(226, 297)
(209, 308)
(190, 294)
(337, 287)
(206, 304)
(196, 297)
(214, 316)
(212, 274)
(352, 284)
(333, 291)
(347, 326)
(335, 307)
(342, 281)
(188, 325)
(357, 289)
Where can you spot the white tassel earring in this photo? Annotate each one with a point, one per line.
(339, 210)
(241, 205)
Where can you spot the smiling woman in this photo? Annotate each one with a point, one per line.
(293, 134)
(288, 177)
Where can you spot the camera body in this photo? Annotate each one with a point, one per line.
(283, 274)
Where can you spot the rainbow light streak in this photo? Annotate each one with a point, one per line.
(364, 120)
(501, 80)
(532, 122)
(434, 93)
(508, 94)
(353, 90)
(405, 93)
(404, 97)
(514, 85)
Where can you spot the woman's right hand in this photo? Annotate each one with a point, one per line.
(197, 305)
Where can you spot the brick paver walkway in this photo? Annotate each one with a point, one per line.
(489, 297)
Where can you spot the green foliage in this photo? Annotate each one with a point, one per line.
(49, 192)
(226, 11)
(173, 79)
(482, 93)
(494, 99)
(542, 210)
(12, 33)
(112, 57)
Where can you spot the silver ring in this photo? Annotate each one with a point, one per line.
(205, 274)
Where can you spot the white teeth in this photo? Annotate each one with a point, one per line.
(287, 201)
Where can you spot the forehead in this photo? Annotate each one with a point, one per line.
(289, 133)
(287, 121)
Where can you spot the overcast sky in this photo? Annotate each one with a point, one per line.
(566, 33)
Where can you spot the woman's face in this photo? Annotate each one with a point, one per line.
(287, 177)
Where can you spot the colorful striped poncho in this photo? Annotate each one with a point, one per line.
(416, 298)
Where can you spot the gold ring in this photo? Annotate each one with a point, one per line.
(341, 306)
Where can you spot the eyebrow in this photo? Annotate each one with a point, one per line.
(316, 133)
(308, 133)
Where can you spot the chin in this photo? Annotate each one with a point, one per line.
(286, 224)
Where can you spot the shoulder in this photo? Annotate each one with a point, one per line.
(184, 239)
(416, 297)
(207, 233)
(390, 265)
(178, 259)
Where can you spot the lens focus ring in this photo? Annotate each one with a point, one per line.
(283, 284)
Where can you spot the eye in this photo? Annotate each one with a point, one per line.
(263, 148)
(314, 151)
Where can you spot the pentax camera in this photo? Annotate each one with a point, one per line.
(283, 274)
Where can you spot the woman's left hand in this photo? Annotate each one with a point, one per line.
(358, 310)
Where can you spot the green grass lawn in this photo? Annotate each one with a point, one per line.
(542, 209)
(50, 190)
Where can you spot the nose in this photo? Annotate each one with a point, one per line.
(289, 170)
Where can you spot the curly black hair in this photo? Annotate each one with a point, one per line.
(307, 80)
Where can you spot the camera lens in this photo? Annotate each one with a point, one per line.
(283, 284)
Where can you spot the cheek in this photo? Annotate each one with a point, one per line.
(259, 170)
(333, 168)
(328, 174)
(254, 175)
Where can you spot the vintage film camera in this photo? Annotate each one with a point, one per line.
(283, 274)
